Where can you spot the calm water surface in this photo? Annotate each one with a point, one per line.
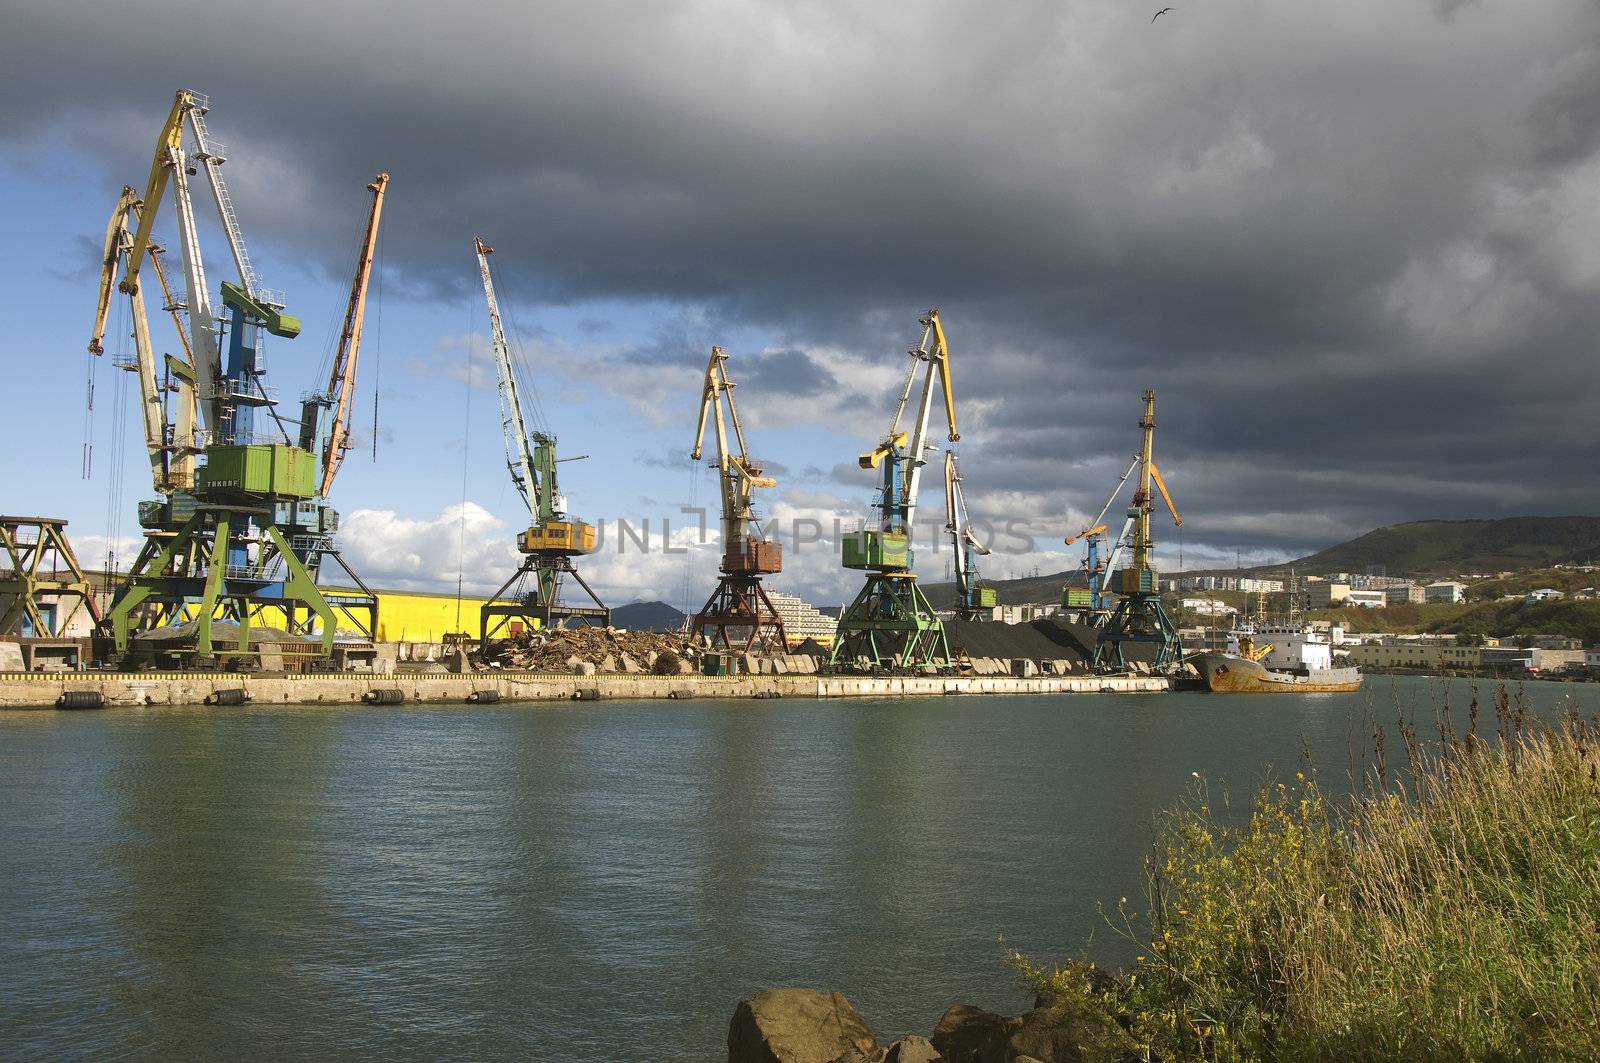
(593, 882)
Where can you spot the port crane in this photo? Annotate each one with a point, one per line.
(739, 607)
(973, 599)
(890, 623)
(553, 539)
(1095, 565)
(242, 528)
(1139, 616)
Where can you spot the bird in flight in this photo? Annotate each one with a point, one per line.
(1158, 14)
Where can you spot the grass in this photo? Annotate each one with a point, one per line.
(1454, 915)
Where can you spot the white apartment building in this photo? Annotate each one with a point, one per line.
(802, 621)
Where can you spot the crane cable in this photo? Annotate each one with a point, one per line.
(466, 447)
(517, 351)
(377, 344)
(119, 423)
(689, 555)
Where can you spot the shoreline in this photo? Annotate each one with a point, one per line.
(41, 690)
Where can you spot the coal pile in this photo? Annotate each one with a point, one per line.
(1041, 640)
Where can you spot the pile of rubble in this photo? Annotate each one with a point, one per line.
(592, 650)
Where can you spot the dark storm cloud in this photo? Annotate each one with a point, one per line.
(1351, 245)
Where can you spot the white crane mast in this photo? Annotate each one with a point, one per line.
(519, 459)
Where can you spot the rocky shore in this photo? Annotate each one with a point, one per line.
(811, 1026)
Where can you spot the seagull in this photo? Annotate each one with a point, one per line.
(1158, 14)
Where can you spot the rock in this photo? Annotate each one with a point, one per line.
(584, 668)
(913, 1049)
(608, 663)
(1078, 1034)
(798, 1026)
(966, 1034)
(628, 664)
(1075, 1027)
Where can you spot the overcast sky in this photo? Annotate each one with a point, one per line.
(1353, 246)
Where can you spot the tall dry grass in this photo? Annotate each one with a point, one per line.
(1449, 912)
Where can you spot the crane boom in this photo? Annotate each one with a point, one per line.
(168, 143)
(738, 472)
(971, 599)
(119, 247)
(342, 379)
(519, 459)
(938, 364)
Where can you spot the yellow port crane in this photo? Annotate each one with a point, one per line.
(739, 610)
(553, 538)
(1139, 617)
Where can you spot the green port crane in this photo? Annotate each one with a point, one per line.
(739, 610)
(890, 624)
(1139, 616)
(240, 530)
(533, 593)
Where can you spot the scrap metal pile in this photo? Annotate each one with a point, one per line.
(596, 649)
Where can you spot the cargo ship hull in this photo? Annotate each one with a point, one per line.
(1226, 673)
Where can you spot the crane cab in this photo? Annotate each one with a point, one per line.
(565, 537)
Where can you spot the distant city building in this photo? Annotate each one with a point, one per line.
(1406, 593)
(1261, 586)
(1366, 599)
(1325, 594)
(1444, 591)
(1415, 655)
(1543, 594)
(1555, 642)
(1207, 606)
(1591, 657)
(802, 621)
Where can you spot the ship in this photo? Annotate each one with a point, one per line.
(1277, 658)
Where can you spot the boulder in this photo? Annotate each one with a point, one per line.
(798, 1026)
(628, 664)
(913, 1049)
(966, 1034)
(608, 663)
(1072, 1030)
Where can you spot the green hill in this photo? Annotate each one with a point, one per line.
(1420, 549)
(1451, 547)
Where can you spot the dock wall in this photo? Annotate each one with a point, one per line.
(42, 689)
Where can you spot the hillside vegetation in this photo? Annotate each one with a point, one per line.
(1500, 619)
(1451, 547)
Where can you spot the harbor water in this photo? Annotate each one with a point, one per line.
(600, 881)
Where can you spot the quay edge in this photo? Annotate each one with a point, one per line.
(37, 690)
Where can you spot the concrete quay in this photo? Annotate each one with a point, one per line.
(33, 690)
